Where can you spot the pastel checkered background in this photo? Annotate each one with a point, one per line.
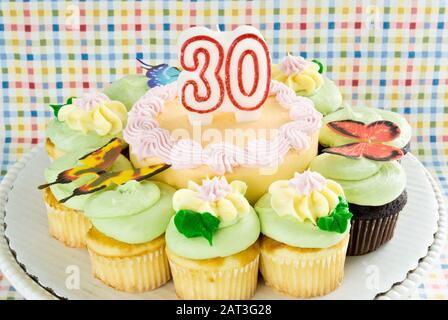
(386, 54)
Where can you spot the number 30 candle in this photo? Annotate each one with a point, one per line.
(223, 72)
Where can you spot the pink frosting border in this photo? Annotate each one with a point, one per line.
(147, 139)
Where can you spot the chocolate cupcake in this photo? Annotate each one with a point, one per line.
(373, 180)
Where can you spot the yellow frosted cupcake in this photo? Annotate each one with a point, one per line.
(66, 221)
(88, 122)
(305, 224)
(212, 242)
(126, 244)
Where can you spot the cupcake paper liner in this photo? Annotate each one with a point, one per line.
(302, 273)
(367, 235)
(238, 283)
(139, 273)
(68, 225)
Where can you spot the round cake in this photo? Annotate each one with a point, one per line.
(281, 142)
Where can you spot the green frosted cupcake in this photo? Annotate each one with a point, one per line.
(212, 242)
(127, 243)
(307, 79)
(128, 89)
(67, 221)
(88, 122)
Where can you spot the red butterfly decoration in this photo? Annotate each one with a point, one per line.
(371, 137)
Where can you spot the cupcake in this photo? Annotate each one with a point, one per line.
(305, 226)
(328, 138)
(307, 79)
(127, 244)
(84, 123)
(128, 89)
(368, 170)
(66, 221)
(212, 242)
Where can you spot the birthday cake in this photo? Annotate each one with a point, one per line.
(209, 172)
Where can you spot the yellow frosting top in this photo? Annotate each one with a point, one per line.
(308, 196)
(216, 196)
(300, 75)
(94, 112)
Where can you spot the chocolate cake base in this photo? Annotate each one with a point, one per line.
(372, 226)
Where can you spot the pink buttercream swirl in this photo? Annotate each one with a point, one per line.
(186, 154)
(166, 93)
(293, 131)
(90, 100)
(149, 140)
(293, 64)
(214, 190)
(154, 143)
(136, 128)
(307, 117)
(223, 157)
(307, 182)
(264, 153)
(149, 105)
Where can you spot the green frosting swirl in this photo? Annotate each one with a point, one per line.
(328, 138)
(68, 161)
(128, 89)
(69, 140)
(136, 212)
(288, 230)
(327, 98)
(365, 182)
(226, 241)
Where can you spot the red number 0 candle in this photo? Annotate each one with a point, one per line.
(222, 72)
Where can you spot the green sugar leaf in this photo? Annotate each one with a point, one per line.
(193, 224)
(320, 64)
(57, 107)
(338, 219)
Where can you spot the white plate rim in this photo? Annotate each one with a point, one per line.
(29, 287)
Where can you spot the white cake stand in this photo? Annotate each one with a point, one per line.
(40, 267)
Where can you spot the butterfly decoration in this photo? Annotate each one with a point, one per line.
(160, 74)
(102, 181)
(97, 161)
(57, 107)
(370, 140)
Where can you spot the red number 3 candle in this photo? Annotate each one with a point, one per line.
(223, 72)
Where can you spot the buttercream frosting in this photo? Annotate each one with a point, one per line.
(365, 182)
(136, 212)
(306, 197)
(128, 89)
(94, 112)
(289, 212)
(148, 140)
(300, 75)
(216, 196)
(304, 78)
(69, 140)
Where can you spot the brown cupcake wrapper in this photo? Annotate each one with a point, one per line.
(65, 224)
(367, 235)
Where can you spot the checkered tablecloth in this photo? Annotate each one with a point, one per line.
(386, 54)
